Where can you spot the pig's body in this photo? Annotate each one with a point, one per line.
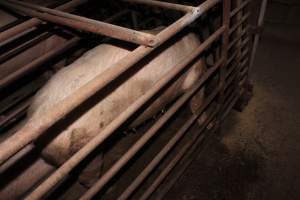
(79, 132)
(95, 62)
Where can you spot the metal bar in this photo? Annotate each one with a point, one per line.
(231, 78)
(166, 149)
(25, 105)
(12, 114)
(245, 17)
(146, 137)
(225, 42)
(26, 45)
(34, 21)
(257, 36)
(186, 150)
(32, 131)
(37, 62)
(233, 42)
(161, 4)
(82, 23)
(185, 163)
(97, 140)
(233, 67)
(16, 158)
(49, 55)
(239, 8)
(230, 103)
(149, 134)
(186, 20)
(235, 53)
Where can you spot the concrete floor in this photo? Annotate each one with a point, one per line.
(259, 155)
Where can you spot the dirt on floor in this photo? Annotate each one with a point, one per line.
(258, 156)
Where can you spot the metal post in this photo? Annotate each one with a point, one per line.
(260, 23)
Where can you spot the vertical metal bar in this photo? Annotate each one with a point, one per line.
(225, 43)
(257, 35)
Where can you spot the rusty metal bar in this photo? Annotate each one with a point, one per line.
(245, 17)
(225, 42)
(82, 23)
(49, 55)
(150, 133)
(32, 131)
(233, 42)
(186, 150)
(186, 20)
(82, 153)
(34, 21)
(161, 4)
(25, 105)
(239, 8)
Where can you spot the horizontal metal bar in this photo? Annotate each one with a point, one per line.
(187, 149)
(239, 8)
(82, 23)
(97, 140)
(31, 131)
(245, 17)
(34, 21)
(161, 4)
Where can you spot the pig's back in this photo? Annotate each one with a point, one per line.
(91, 64)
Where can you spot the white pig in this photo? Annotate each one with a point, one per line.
(95, 62)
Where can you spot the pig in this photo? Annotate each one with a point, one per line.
(95, 62)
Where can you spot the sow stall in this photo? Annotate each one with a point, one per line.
(39, 38)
